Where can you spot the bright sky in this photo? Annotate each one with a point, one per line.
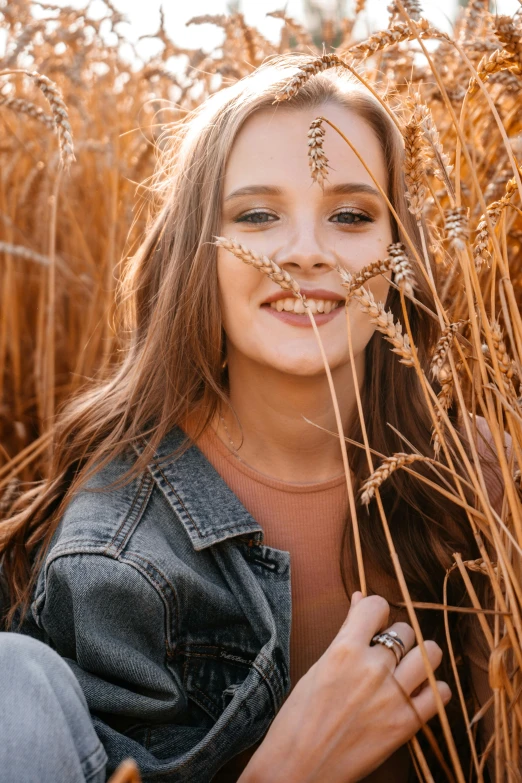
(143, 17)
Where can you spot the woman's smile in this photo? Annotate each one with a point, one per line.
(324, 305)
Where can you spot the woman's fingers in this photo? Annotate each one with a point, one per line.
(411, 672)
(425, 703)
(366, 618)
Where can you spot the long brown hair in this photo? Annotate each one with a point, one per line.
(172, 328)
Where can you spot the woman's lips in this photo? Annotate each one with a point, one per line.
(294, 319)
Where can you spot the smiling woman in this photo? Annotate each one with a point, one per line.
(192, 554)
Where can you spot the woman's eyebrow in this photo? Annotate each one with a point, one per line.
(344, 189)
(255, 190)
(348, 188)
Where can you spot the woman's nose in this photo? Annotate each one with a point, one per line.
(305, 252)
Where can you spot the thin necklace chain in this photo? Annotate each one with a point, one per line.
(234, 450)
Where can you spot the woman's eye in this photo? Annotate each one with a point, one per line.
(348, 218)
(255, 218)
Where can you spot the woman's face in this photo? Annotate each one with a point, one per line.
(272, 206)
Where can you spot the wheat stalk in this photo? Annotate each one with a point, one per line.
(495, 62)
(481, 252)
(511, 37)
(439, 358)
(474, 15)
(305, 73)
(397, 262)
(262, 264)
(443, 168)
(60, 114)
(317, 159)
(456, 224)
(59, 111)
(385, 469)
(8, 496)
(415, 161)
(383, 320)
(352, 282)
(445, 399)
(395, 34)
(412, 7)
(478, 565)
(220, 20)
(303, 38)
(23, 252)
(433, 151)
(506, 365)
(402, 268)
(26, 107)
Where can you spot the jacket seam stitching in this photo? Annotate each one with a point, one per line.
(210, 657)
(129, 516)
(158, 586)
(195, 688)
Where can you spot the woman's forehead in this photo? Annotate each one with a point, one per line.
(273, 144)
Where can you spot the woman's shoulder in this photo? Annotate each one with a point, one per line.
(112, 495)
(485, 440)
(489, 457)
(100, 504)
(178, 498)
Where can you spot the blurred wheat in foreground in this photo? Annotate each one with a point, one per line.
(80, 128)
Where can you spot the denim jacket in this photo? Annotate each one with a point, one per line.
(173, 615)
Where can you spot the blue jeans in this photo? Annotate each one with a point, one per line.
(46, 733)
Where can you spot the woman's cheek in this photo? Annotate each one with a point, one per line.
(236, 314)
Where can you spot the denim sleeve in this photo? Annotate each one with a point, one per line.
(108, 621)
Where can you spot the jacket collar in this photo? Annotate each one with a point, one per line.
(207, 508)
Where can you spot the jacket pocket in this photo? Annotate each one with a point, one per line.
(213, 675)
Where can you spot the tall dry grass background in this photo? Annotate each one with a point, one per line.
(79, 131)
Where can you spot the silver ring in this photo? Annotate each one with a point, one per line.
(398, 640)
(392, 642)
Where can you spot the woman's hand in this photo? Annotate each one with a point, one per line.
(348, 714)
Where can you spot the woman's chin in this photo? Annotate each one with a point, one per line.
(305, 366)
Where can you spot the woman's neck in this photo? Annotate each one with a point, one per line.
(269, 430)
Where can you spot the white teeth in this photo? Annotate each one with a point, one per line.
(294, 305)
